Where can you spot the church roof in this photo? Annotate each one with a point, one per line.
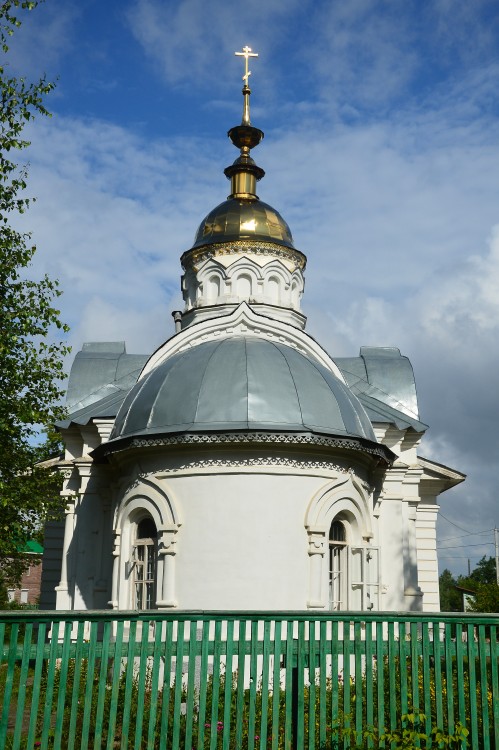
(99, 370)
(378, 411)
(237, 219)
(383, 374)
(241, 383)
(243, 216)
(103, 374)
(108, 406)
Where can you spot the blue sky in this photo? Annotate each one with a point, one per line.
(381, 151)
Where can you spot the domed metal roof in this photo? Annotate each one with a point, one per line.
(237, 219)
(241, 383)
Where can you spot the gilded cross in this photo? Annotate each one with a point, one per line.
(246, 53)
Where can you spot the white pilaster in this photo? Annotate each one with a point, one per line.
(166, 567)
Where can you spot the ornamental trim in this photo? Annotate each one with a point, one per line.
(250, 438)
(192, 257)
(272, 461)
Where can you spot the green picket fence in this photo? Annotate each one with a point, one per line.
(224, 680)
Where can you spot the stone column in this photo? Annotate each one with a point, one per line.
(101, 583)
(166, 567)
(116, 570)
(412, 591)
(316, 553)
(89, 533)
(63, 600)
(426, 520)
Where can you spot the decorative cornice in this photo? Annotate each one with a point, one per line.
(273, 461)
(249, 438)
(197, 255)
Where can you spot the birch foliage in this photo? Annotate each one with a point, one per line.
(31, 357)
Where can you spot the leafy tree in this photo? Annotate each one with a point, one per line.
(485, 571)
(486, 598)
(31, 364)
(482, 581)
(450, 598)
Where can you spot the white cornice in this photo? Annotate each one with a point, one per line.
(245, 439)
(438, 476)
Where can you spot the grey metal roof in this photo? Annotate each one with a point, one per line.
(100, 369)
(108, 406)
(241, 383)
(378, 411)
(383, 374)
(101, 375)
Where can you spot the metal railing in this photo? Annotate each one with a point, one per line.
(220, 680)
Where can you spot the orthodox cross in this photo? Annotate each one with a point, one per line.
(246, 53)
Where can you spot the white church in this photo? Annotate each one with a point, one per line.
(241, 466)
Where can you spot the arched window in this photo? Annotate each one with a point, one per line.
(244, 286)
(337, 566)
(144, 564)
(353, 571)
(274, 290)
(212, 289)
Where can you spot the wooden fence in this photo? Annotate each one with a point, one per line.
(224, 680)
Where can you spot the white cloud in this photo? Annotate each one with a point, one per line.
(112, 216)
(359, 56)
(460, 28)
(189, 39)
(464, 308)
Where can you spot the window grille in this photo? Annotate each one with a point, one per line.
(337, 566)
(353, 573)
(144, 565)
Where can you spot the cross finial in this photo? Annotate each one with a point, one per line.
(246, 53)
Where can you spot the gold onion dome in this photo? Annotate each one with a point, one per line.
(241, 219)
(243, 216)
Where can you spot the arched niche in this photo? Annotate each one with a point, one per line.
(146, 500)
(273, 289)
(344, 501)
(243, 285)
(212, 289)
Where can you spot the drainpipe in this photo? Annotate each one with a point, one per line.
(177, 317)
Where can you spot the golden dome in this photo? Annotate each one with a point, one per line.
(243, 216)
(237, 219)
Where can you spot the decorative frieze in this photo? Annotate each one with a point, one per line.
(258, 438)
(193, 258)
(257, 461)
